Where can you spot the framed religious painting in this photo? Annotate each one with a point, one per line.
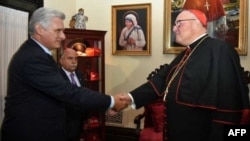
(231, 24)
(131, 29)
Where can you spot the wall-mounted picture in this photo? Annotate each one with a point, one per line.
(227, 20)
(131, 29)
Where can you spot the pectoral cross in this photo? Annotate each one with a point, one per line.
(207, 5)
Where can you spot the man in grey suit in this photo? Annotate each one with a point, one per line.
(37, 92)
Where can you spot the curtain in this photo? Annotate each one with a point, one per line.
(13, 32)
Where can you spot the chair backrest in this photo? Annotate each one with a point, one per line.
(154, 115)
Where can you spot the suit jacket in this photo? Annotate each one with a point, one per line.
(36, 93)
(75, 115)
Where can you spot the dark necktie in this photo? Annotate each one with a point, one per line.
(73, 81)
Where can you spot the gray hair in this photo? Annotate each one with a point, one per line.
(43, 16)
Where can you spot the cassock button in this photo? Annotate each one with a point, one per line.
(165, 137)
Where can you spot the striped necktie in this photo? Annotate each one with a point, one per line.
(72, 76)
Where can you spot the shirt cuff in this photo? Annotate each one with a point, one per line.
(133, 106)
(112, 102)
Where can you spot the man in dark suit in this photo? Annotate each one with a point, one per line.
(75, 115)
(36, 90)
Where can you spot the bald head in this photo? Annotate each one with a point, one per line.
(69, 59)
(68, 51)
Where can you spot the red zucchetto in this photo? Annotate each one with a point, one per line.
(200, 16)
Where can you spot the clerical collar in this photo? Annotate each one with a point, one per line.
(197, 40)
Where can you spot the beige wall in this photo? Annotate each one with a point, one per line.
(124, 73)
(66, 6)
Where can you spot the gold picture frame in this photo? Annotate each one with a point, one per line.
(241, 38)
(142, 13)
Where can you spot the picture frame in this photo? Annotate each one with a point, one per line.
(238, 27)
(142, 14)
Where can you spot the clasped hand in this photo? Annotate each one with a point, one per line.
(131, 41)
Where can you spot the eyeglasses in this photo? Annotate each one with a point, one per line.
(178, 22)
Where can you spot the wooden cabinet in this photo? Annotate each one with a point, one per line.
(89, 45)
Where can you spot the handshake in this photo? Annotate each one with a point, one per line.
(121, 101)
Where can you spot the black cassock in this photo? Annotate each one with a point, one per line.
(207, 93)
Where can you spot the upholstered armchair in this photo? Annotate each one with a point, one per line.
(153, 122)
(153, 115)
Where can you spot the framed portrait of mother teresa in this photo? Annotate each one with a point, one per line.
(131, 29)
(227, 20)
